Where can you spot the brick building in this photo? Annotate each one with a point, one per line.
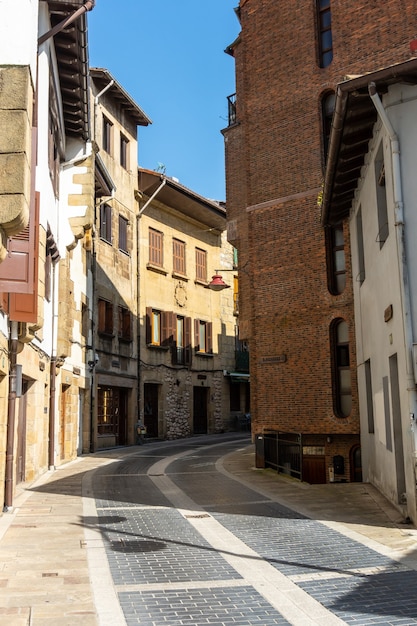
(296, 296)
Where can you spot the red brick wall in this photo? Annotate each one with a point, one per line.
(274, 167)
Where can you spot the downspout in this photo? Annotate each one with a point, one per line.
(52, 374)
(11, 417)
(138, 232)
(402, 264)
(88, 6)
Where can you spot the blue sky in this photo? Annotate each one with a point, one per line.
(169, 56)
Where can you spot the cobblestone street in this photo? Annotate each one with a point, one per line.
(188, 532)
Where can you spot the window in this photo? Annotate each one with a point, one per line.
(105, 222)
(107, 135)
(124, 152)
(325, 33)
(203, 337)
(336, 267)
(327, 108)
(155, 327)
(125, 324)
(105, 317)
(123, 223)
(342, 386)
(178, 256)
(381, 198)
(201, 265)
(235, 295)
(361, 252)
(182, 341)
(155, 247)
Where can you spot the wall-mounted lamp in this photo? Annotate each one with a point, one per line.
(217, 283)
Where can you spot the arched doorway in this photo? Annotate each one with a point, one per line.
(355, 464)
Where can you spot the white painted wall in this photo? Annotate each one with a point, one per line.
(18, 33)
(377, 340)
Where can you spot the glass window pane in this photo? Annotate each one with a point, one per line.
(342, 333)
(339, 258)
(346, 405)
(345, 381)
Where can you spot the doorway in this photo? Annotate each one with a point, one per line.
(151, 408)
(200, 396)
(355, 464)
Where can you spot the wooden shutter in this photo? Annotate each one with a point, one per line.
(168, 324)
(196, 335)
(148, 324)
(23, 302)
(187, 340)
(209, 337)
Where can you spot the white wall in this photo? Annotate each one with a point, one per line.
(18, 33)
(376, 338)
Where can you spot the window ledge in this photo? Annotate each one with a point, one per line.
(205, 355)
(154, 346)
(180, 276)
(125, 339)
(105, 334)
(203, 283)
(155, 268)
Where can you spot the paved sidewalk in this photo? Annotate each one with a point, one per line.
(44, 574)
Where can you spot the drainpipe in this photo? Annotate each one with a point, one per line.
(88, 6)
(402, 264)
(52, 373)
(138, 232)
(11, 417)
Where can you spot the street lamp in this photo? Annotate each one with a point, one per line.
(217, 283)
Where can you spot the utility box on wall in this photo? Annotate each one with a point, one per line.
(339, 464)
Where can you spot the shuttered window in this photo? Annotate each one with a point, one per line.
(125, 324)
(178, 256)
(201, 265)
(105, 317)
(155, 247)
(203, 337)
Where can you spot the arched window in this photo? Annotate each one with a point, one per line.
(324, 33)
(327, 108)
(342, 384)
(336, 266)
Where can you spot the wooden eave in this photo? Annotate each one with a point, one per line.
(352, 128)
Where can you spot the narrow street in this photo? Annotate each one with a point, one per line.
(187, 543)
(187, 532)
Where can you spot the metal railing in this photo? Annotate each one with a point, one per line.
(283, 452)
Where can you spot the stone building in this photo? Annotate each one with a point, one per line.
(296, 295)
(187, 331)
(375, 129)
(113, 266)
(46, 200)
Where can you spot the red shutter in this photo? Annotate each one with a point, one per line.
(19, 271)
(24, 300)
